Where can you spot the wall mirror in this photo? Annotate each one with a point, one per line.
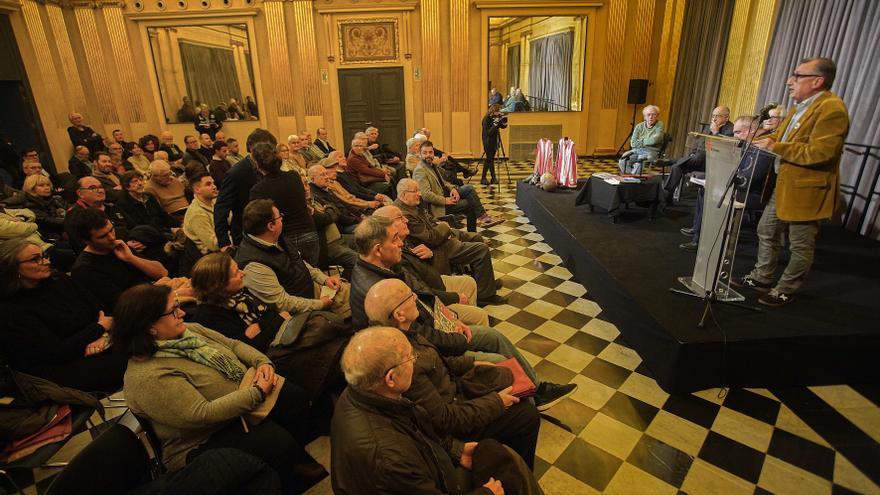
(204, 65)
(536, 63)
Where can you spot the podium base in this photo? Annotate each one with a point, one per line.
(723, 293)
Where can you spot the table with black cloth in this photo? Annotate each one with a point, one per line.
(598, 193)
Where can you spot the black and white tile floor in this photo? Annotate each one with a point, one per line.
(624, 434)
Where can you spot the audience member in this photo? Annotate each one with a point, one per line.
(775, 116)
(251, 107)
(219, 165)
(175, 154)
(206, 147)
(140, 208)
(273, 273)
(193, 152)
(286, 191)
(107, 176)
(293, 146)
(184, 379)
(381, 443)
(198, 224)
(647, 138)
(444, 198)
(375, 178)
(106, 265)
(412, 152)
(48, 209)
(287, 164)
(235, 191)
(450, 246)
(150, 145)
(321, 141)
(119, 138)
(334, 249)
(233, 155)
(20, 224)
(53, 327)
(206, 122)
(138, 161)
(83, 135)
(79, 164)
(351, 184)
(169, 191)
(346, 218)
(91, 194)
(310, 152)
(333, 163)
(495, 97)
(187, 111)
(436, 381)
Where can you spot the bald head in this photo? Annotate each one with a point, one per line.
(159, 167)
(369, 354)
(390, 212)
(383, 298)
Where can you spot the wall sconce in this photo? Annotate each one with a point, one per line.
(331, 58)
(417, 73)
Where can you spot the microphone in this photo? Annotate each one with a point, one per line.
(764, 113)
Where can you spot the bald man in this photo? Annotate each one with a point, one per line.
(380, 442)
(435, 387)
(83, 135)
(695, 161)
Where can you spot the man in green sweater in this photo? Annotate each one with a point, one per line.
(647, 138)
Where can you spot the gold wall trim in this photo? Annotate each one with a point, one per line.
(458, 26)
(279, 59)
(642, 44)
(611, 83)
(366, 7)
(544, 4)
(188, 16)
(48, 75)
(432, 75)
(748, 43)
(88, 30)
(307, 55)
(673, 17)
(124, 66)
(73, 89)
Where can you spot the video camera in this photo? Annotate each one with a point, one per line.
(499, 121)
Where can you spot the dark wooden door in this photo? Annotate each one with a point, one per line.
(373, 97)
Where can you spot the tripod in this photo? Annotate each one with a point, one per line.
(500, 156)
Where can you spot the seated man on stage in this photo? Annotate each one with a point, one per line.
(743, 128)
(696, 159)
(809, 144)
(647, 138)
(444, 198)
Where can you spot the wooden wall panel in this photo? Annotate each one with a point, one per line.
(612, 82)
(458, 34)
(72, 88)
(432, 72)
(642, 39)
(307, 56)
(47, 73)
(279, 59)
(97, 64)
(124, 67)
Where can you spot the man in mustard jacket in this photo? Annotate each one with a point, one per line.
(809, 143)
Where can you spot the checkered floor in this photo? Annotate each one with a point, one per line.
(621, 433)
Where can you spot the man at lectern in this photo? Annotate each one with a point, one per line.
(809, 143)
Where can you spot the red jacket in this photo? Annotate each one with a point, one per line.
(360, 168)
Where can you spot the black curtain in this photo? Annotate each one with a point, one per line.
(846, 31)
(209, 73)
(550, 72)
(513, 58)
(701, 55)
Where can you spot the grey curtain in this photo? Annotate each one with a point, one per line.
(698, 73)
(550, 72)
(846, 31)
(513, 58)
(209, 74)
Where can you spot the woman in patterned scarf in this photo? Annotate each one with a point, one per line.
(185, 380)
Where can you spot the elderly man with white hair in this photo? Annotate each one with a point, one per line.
(647, 138)
(293, 145)
(167, 189)
(175, 154)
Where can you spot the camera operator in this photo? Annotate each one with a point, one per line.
(493, 122)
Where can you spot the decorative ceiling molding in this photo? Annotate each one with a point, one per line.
(187, 16)
(351, 8)
(546, 4)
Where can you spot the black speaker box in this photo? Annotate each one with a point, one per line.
(638, 91)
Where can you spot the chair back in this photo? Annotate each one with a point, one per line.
(115, 462)
(153, 439)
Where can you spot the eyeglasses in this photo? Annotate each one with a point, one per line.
(796, 76)
(173, 312)
(411, 295)
(412, 191)
(37, 259)
(279, 217)
(92, 188)
(414, 357)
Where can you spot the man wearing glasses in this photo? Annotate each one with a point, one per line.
(720, 125)
(809, 144)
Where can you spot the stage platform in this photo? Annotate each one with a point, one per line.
(829, 334)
